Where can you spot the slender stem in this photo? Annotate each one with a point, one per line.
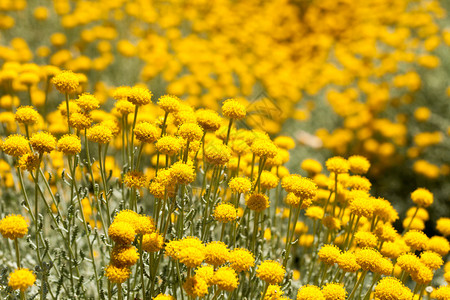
(410, 222)
(16, 246)
(136, 108)
(68, 113)
(358, 283)
(228, 132)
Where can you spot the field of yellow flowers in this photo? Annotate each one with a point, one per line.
(254, 150)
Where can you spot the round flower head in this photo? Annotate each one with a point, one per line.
(121, 232)
(257, 202)
(26, 115)
(271, 272)
(80, 121)
(152, 242)
(431, 259)
(139, 96)
(191, 256)
(43, 142)
(268, 180)
(358, 164)
(21, 279)
(390, 288)
(146, 132)
(13, 227)
(264, 148)
(423, 275)
(337, 165)
(347, 262)
(124, 256)
(124, 107)
(99, 134)
(217, 153)
(439, 245)
(311, 166)
(232, 109)
(121, 92)
(240, 185)
(314, 212)
(225, 213)
(69, 144)
(366, 239)
(182, 173)
(225, 278)
(415, 239)
(274, 292)
(285, 142)
(443, 226)
(216, 253)
(329, 254)
(88, 102)
(295, 201)
(310, 292)
(163, 297)
(206, 272)
(117, 274)
(168, 103)
(334, 291)
(73, 108)
(442, 293)
(408, 262)
(422, 197)
(135, 179)
(208, 119)
(332, 223)
(29, 162)
(190, 132)
(302, 187)
(356, 182)
(362, 207)
(66, 82)
(241, 259)
(195, 286)
(168, 145)
(15, 145)
(368, 259)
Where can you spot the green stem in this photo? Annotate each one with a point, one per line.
(16, 246)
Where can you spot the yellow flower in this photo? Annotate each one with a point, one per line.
(366, 239)
(152, 242)
(311, 166)
(390, 288)
(163, 297)
(225, 213)
(124, 107)
(80, 121)
(99, 134)
(135, 179)
(264, 148)
(208, 119)
(183, 173)
(26, 115)
(443, 226)
(69, 144)
(241, 259)
(29, 162)
(415, 239)
(190, 132)
(168, 103)
(439, 245)
(121, 232)
(21, 279)
(334, 291)
(139, 96)
(124, 255)
(368, 259)
(431, 259)
(257, 202)
(217, 153)
(117, 274)
(146, 132)
(195, 286)
(310, 292)
(422, 197)
(43, 142)
(232, 109)
(347, 262)
(271, 272)
(168, 145)
(302, 187)
(191, 256)
(337, 165)
(329, 254)
(358, 164)
(409, 262)
(240, 185)
(226, 279)
(15, 145)
(88, 102)
(66, 82)
(13, 227)
(216, 253)
(314, 212)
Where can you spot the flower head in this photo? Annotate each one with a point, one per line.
(257, 202)
(66, 82)
(88, 102)
(13, 227)
(390, 288)
(121, 232)
(225, 212)
(168, 103)
(69, 144)
(195, 286)
(190, 132)
(241, 259)
(139, 96)
(334, 291)
(216, 253)
(43, 142)
(117, 274)
(233, 109)
(168, 145)
(310, 292)
(146, 132)
(15, 145)
(337, 165)
(226, 279)
(271, 272)
(217, 153)
(21, 279)
(422, 197)
(329, 254)
(124, 255)
(240, 184)
(99, 134)
(27, 115)
(358, 164)
(208, 119)
(152, 242)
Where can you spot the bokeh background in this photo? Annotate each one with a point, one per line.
(342, 77)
